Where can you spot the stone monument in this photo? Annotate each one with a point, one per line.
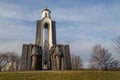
(45, 54)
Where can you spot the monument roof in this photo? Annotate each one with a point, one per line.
(46, 9)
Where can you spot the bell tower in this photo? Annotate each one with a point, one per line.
(46, 30)
(45, 54)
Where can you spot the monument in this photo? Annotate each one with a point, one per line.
(45, 54)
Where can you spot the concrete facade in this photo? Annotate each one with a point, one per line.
(45, 54)
(60, 57)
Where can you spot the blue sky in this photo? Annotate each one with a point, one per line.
(80, 23)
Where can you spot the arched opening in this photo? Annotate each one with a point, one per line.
(46, 34)
(45, 46)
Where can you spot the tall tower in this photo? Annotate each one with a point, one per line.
(45, 53)
(46, 30)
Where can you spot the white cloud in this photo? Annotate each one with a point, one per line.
(14, 11)
(11, 47)
(13, 29)
(91, 18)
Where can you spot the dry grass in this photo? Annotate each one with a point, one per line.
(61, 75)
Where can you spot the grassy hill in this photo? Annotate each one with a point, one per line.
(61, 75)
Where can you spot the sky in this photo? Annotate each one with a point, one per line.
(80, 23)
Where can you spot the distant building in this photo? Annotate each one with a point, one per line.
(45, 54)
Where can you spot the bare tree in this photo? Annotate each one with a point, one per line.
(9, 61)
(76, 62)
(117, 48)
(3, 60)
(117, 44)
(101, 59)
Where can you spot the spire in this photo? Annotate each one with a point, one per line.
(46, 13)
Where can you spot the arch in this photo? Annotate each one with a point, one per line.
(46, 25)
(45, 32)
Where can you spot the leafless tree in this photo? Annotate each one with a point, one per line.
(117, 48)
(3, 60)
(9, 61)
(76, 62)
(101, 59)
(117, 44)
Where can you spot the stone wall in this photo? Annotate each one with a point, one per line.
(26, 57)
(60, 57)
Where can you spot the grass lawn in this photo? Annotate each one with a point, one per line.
(61, 75)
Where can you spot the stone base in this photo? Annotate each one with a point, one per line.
(59, 57)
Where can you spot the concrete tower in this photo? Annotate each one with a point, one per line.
(45, 53)
(46, 30)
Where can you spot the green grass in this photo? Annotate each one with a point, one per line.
(61, 75)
